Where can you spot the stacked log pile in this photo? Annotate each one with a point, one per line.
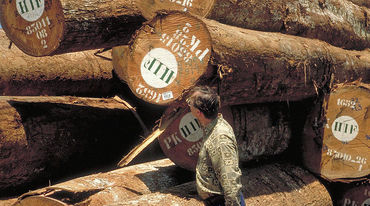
(263, 58)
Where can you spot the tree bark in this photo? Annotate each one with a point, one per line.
(338, 22)
(263, 67)
(52, 27)
(166, 57)
(364, 3)
(255, 66)
(260, 130)
(111, 187)
(77, 74)
(336, 136)
(46, 138)
(273, 184)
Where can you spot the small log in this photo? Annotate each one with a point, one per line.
(273, 184)
(110, 187)
(76, 74)
(336, 136)
(167, 56)
(45, 27)
(338, 22)
(254, 66)
(260, 130)
(45, 138)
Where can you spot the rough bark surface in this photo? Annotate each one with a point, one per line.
(78, 74)
(336, 136)
(65, 26)
(365, 3)
(256, 66)
(45, 138)
(263, 66)
(274, 184)
(113, 186)
(260, 130)
(338, 22)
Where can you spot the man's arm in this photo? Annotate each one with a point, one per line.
(225, 162)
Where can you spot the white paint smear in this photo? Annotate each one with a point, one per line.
(30, 10)
(159, 68)
(190, 129)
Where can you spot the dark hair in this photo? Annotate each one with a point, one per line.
(206, 100)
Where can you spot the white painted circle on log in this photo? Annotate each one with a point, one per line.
(189, 128)
(30, 10)
(159, 68)
(345, 128)
(366, 203)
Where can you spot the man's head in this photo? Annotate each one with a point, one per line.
(204, 99)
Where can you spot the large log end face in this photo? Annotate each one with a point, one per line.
(337, 136)
(35, 26)
(167, 56)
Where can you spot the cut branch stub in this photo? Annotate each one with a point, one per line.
(36, 27)
(166, 57)
(336, 137)
(197, 7)
(49, 27)
(256, 133)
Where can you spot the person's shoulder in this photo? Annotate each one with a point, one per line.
(223, 126)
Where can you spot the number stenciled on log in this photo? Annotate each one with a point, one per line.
(30, 10)
(345, 128)
(354, 103)
(151, 94)
(346, 157)
(184, 3)
(194, 149)
(183, 45)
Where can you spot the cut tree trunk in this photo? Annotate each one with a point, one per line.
(45, 138)
(260, 130)
(50, 27)
(170, 53)
(338, 22)
(336, 142)
(254, 66)
(273, 184)
(76, 74)
(110, 187)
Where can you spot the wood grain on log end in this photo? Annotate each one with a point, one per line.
(167, 56)
(36, 27)
(336, 137)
